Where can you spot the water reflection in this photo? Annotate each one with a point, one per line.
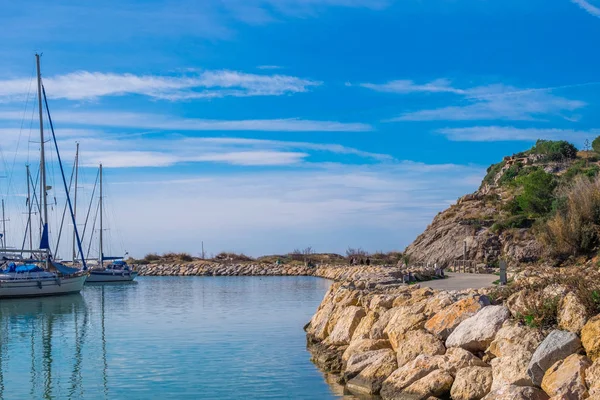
(185, 338)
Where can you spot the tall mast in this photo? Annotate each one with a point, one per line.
(75, 202)
(29, 201)
(101, 256)
(43, 194)
(3, 226)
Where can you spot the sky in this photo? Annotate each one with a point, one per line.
(265, 126)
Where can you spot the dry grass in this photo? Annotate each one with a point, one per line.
(575, 228)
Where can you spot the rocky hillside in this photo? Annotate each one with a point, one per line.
(502, 219)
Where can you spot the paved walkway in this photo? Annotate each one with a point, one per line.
(460, 281)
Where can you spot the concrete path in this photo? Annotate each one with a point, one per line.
(460, 281)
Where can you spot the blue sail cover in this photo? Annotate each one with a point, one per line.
(44, 243)
(63, 269)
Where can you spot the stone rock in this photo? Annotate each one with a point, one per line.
(572, 313)
(477, 332)
(437, 383)
(519, 303)
(319, 323)
(590, 337)
(403, 320)
(456, 359)
(558, 345)
(472, 383)
(592, 378)
(416, 343)
(369, 380)
(345, 326)
(566, 378)
(363, 329)
(381, 301)
(513, 348)
(513, 392)
(406, 375)
(438, 302)
(363, 345)
(444, 322)
(377, 331)
(360, 361)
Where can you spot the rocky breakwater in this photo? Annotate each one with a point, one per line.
(410, 342)
(333, 272)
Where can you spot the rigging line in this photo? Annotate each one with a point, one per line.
(62, 221)
(92, 234)
(64, 181)
(90, 207)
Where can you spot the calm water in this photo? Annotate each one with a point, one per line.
(161, 338)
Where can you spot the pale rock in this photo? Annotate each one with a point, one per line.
(519, 303)
(444, 322)
(437, 383)
(566, 378)
(408, 374)
(572, 313)
(378, 328)
(438, 302)
(363, 329)
(381, 301)
(472, 383)
(590, 337)
(477, 332)
(357, 362)
(369, 380)
(558, 345)
(363, 345)
(456, 359)
(592, 378)
(319, 324)
(401, 322)
(416, 343)
(512, 392)
(345, 326)
(513, 347)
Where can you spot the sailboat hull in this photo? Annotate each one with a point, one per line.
(111, 276)
(42, 285)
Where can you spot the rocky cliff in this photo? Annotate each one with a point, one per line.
(488, 224)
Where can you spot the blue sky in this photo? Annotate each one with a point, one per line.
(267, 125)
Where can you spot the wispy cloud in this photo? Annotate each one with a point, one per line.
(509, 133)
(168, 123)
(587, 6)
(488, 102)
(269, 67)
(84, 85)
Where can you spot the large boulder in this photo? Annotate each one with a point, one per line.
(590, 337)
(319, 324)
(512, 350)
(406, 375)
(345, 326)
(513, 392)
(558, 345)
(572, 313)
(369, 380)
(445, 321)
(363, 329)
(472, 383)
(378, 328)
(416, 343)
(477, 332)
(566, 378)
(403, 320)
(364, 345)
(360, 361)
(592, 378)
(437, 383)
(456, 359)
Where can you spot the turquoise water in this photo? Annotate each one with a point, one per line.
(164, 338)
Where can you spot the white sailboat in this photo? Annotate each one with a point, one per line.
(117, 270)
(40, 275)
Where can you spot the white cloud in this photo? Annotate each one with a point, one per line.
(84, 85)
(587, 6)
(168, 123)
(269, 67)
(489, 102)
(509, 133)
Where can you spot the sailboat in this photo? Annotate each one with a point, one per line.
(41, 275)
(117, 270)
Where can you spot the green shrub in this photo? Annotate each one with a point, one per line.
(510, 174)
(537, 196)
(555, 150)
(514, 222)
(492, 171)
(596, 145)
